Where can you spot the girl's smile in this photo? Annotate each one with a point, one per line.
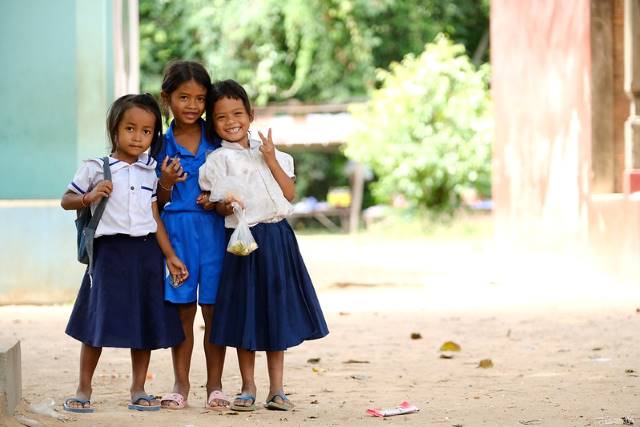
(231, 120)
(187, 102)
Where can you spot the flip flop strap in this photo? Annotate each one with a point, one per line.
(219, 395)
(245, 396)
(76, 400)
(142, 396)
(173, 397)
(279, 394)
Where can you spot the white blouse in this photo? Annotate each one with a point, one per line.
(233, 169)
(128, 210)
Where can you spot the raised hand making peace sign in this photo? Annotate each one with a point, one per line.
(267, 148)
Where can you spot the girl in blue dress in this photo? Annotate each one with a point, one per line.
(121, 302)
(266, 301)
(195, 229)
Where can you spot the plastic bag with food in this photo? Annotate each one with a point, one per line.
(241, 241)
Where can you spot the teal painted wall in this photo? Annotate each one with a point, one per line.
(56, 85)
(37, 112)
(57, 82)
(95, 82)
(37, 253)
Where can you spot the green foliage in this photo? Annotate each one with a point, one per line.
(305, 49)
(328, 51)
(310, 50)
(404, 26)
(427, 131)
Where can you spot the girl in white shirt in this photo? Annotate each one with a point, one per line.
(121, 302)
(266, 300)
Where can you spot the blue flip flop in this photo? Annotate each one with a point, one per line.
(245, 397)
(285, 405)
(135, 406)
(81, 410)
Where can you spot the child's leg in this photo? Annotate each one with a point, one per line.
(275, 364)
(246, 361)
(214, 355)
(139, 368)
(89, 357)
(276, 399)
(182, 352)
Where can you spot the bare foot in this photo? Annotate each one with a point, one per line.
(79, 401)
(279, 401)
(218, 400)
(246, 399)
(174, 400)
(141, 398)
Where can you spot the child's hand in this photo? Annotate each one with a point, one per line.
(267, 148)
(230, 199)
(225, 207)
(172, 172)
(178, 270)
(102, 189)
(203, 200)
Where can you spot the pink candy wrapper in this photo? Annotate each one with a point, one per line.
(403, 408)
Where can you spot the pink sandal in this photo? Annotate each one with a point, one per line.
(177, 398)
(220, 397)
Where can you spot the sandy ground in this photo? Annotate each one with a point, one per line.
(563, 344)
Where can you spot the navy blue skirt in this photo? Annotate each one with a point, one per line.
(123, 306)
(266, 300)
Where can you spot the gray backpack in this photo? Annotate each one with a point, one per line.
(86, 223)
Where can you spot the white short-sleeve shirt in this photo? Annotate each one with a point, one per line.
(128, 210)
(244, 173)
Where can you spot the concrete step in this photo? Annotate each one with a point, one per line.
(10, 376)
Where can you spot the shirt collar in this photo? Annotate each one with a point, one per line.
(202, 147)
(144, 161)
(254, 143)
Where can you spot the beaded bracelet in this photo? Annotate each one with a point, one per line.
(82, 202)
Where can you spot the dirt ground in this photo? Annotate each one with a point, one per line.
(564, 346)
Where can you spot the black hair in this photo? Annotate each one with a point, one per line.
(225, 89)
(178, 72)
(145, 101)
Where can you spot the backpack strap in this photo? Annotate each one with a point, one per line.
(95, 218)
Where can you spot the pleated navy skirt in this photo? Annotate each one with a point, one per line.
(123, 306)
(266, 300)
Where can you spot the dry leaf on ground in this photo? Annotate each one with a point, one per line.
(485, 363)
(450, 346)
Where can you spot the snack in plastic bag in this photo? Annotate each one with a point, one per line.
(241, 241)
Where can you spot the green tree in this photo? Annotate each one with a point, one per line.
(304, 49)
(427, 131)
(401, 27)
(309, 50)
